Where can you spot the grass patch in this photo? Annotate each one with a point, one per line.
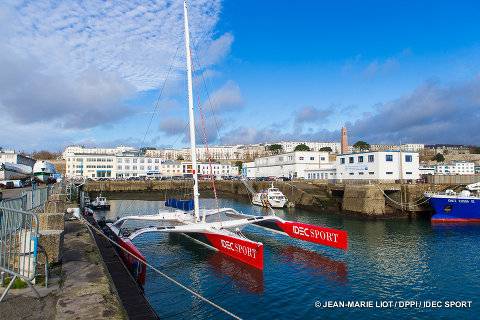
(18, 284)
(329, 202)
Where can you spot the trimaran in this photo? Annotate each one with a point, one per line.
(217, 235)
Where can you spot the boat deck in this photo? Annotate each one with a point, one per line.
(134, 302)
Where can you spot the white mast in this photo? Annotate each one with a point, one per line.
(190, 113)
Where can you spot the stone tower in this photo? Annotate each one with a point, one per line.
(344, 141)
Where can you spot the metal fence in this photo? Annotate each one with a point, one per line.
(18, 246)
(19, 235)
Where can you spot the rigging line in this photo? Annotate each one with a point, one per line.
(161, 91)
(155, 269)
(208, 95)
(206, 144)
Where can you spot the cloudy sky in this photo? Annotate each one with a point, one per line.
(110, 73)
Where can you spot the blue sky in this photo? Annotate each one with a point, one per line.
(91, 72)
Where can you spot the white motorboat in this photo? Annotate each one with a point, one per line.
(100, 203)
(272, 197)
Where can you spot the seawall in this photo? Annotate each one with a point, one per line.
(370, 201)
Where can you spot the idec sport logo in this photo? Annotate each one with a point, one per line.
(243, 250)
(325, 236)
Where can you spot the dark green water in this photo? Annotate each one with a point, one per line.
(392, 269)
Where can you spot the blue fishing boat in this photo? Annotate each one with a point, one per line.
(450, 206)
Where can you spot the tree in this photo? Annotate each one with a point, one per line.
(439, 157)
(302, 147)
(179, 158)
(326, 149)
(275, 148)
(362, 146)
(239, 164)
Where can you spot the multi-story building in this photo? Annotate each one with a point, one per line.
(121, 165)
(90, 165)
(78, 149)
(291, 164)
(378, 165)
(434, 149)
(414, 147)
(136, 164)
(457, 167)
(289, 146)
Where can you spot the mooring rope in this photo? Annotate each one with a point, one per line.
(406, 205)
(159, 272)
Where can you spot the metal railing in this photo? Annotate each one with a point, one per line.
(19, 236)
(18, 247)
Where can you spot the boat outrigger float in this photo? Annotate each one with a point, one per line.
(224, 236)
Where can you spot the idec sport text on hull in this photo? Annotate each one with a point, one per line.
(307, 232)
(238, 248)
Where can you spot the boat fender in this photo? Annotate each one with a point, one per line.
(135, 270)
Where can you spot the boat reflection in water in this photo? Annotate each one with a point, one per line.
(314, 264)
(246, 277)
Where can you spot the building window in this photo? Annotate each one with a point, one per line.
(312, 158)
(300, 158)
(360, 173)
(360, 159)
(350, 160)
(322, 158)
(408, 158)
(351, 173)
(409, 173)
(119, 160)
(389, 172)
(371, 158)
(389, 157)
(371, 173)
(342, 160)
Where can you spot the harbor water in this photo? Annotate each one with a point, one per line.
(406, 269)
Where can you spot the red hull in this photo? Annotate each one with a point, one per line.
(243, 250)
(137, 267)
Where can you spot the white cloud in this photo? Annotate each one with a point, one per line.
(137, 39)
(227, 98)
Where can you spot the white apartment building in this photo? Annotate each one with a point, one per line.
(290, 146)
(173, 168)
(122, 165)
(414, 147)
(78, 149)
(458, 167)
(136, 164)
(378, 165)
(90, 165)
(291, 164)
